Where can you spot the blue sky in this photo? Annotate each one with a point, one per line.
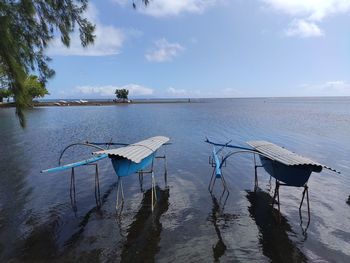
(209, 48)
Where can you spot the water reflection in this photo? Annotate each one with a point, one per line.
(220, 221)
(274, 235)
(143, 235)
(42, 243)
(85, 219)
(15, 192)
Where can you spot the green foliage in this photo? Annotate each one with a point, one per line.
(34, 88)
(5, 93)
(122, 94)
(26, 28)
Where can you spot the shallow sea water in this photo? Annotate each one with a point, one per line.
(38, 222)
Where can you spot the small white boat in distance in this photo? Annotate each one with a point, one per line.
(77, 101)
(63, 101)
(84, 101)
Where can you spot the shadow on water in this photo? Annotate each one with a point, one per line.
(143, 234)
(274, 238)
(86, 218)
(219, 220)
(46, 241)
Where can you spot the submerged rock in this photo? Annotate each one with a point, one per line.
(348, 202)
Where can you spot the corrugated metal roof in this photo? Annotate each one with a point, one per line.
(136, 152)
(279, 154)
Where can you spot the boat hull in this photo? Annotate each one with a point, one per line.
(124, 167)
(290, 175)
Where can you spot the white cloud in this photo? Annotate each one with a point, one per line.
(307, 13)
(330, 88)
(229, 93)
(185, 93)
(303, 29)
(108, 41)
(163, 8)
(314, 10)
(164, 51)
(174, 91)
(109, 90)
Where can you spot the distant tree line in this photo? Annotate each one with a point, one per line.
(33, 88)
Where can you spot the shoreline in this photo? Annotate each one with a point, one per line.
(94, 103)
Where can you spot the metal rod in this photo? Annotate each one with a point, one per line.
(72, 191)
(256, 184)
(228, 145)
(306, 191)
(165, 169)
(80, 144)
(302, 199)
(120, 188)
(141, 180)
(308, 204)
(241, 151)
(275, 193)
(154, 195)
(278, 200)
(97, 187)
(211, 179)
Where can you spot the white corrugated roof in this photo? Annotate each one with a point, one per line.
(136, 152)
(279, 154)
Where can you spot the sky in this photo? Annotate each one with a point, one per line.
(208, 48)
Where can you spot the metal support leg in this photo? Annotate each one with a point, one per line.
(165, 172)
(225, 190)
(224, 182)
(256, 183)
(211, 183)
(269, 184)
(141, 180)
(278, 200)
(165, 169)
(277, 196)
(306, 190)
(97, 187)
(72, 191)
(120, 191)
(275, 193)
(154, 193)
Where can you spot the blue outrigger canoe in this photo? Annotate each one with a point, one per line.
(288, 168)
(127, 160)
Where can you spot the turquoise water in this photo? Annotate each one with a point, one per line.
(37, 221)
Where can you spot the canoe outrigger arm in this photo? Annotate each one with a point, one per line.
(288, 168)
